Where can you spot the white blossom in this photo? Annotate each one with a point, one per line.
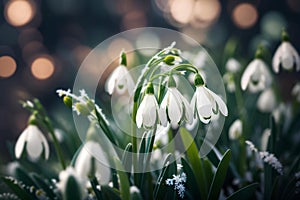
(35, 142)
(232, 65)
(85, 161)
(267, 101)
(235, 130)
(228, 79)
(287, 57)
(78, 183)
(148, 112)
(120, 80)
(178, 182)
(256, 76)
(175, 108)
(296, 91)
(205, 103)
(251, 146)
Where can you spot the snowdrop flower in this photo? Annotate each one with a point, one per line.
(235, 130)
(232, 65)
(174, 107)
(205, 102)
(296, 91)
(256, 76)
(228, 79)
(148, 112)
(265, 138)
(70, 184)
(286, 56)
(35, 142)
(120, 79)
(85, 161)
(267, 101)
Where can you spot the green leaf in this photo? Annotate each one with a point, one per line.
(94, 183)
(161, 190)
(208, 169)
(110, 193)
(124, 182)
(72, 189)
(219, 176)
(195, 161)
(15, 186)
(42, 184)
(191, 183)
(244, 193)
(127, 158)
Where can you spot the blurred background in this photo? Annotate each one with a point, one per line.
(43, 42)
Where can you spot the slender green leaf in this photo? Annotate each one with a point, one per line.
(191, 183)
(124, 182)
(244, 193)
(15, 186)
(127, 158)
(219, 176)
(110, 193)
(208, 169)
(162, 191)
(195, 161)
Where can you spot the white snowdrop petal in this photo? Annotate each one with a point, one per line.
(287, 60)
(111, 81)
(295, 55)
(82, 164)
(20, 143)
(221, 104)
(266, 101)
(130, 84)
(193, 105)
(250, 69)
(34, 145)
(276, 59)
(139, 114)
(174, 109)
(204, 105)
(149, 113)
(46, 146)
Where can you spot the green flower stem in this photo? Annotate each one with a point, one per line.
(187, 67)
(149, 149)
(55, 141)
(133, 141)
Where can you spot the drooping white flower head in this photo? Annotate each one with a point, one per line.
(296, 91)
(120, 79)
(286, 56)
(256, 76)
(267, 101)
(205, 102)
(71, 184)
(228, 79)
(85, 161)
(235, 130)
(35, 142)
(148, 112)
(232, 65)
(174, 107)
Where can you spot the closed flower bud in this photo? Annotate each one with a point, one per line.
(68, 101)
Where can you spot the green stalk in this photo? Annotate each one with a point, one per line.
(134, 142)
(56, 143)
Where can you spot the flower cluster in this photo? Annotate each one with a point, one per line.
(267, 157)
(178, 182)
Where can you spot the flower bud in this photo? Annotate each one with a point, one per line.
(82, 108)
(123, 59)
(32, 119)
(68, 101)
(169, 60)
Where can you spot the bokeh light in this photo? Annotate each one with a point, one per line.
(272, 23)
(244, 15)
(8, 66)
(117, 46)
(181, 10)
(19, 12)
(42, 67)
(205, 13)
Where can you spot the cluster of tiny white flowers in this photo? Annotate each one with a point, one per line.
(82, 98)
(178, 182)
(271, 160)
(267, 157)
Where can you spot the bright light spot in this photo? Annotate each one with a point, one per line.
(244, 15)
(271, 25)
(19, 12)
(205, 12)
(8, 66)
(181, 10)
(148, 43)
(42, 67)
